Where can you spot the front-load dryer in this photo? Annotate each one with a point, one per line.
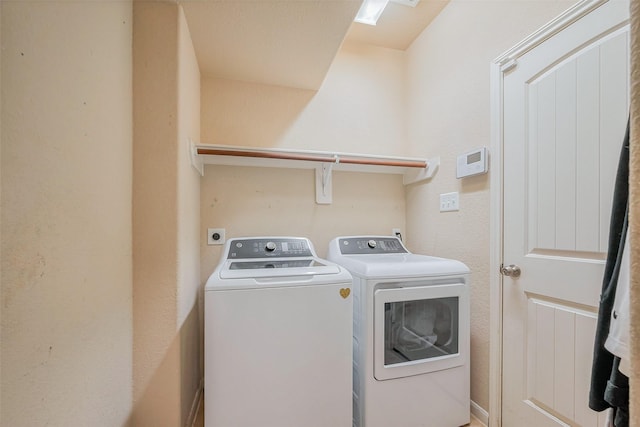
(278, 345)
(410, 334)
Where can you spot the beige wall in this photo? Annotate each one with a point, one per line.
(189, 314)
(167, 341)
(1, 282)
(448, 105)
(156, 350)
(66, 214)
(265, 201)
(359, 108)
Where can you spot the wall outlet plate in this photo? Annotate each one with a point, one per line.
(215, 236)
(396, 232)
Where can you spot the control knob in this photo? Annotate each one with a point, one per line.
(372, 244)
(270, 247)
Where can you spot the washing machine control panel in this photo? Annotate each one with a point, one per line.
(371, 245)
(265, 248)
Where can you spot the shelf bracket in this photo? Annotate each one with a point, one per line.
(418, 175)
(324, 190)
(196, 160)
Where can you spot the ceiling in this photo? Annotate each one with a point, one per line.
(291, 42)
(398, 26)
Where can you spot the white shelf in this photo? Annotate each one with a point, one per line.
(412, 169)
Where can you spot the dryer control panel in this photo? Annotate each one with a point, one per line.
(371, 245)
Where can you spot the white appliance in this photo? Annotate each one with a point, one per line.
(278, 337)
(410, 333)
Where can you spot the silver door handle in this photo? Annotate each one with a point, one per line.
(510, 270)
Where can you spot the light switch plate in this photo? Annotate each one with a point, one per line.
(449, 202)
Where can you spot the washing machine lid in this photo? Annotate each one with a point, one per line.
(276, 267)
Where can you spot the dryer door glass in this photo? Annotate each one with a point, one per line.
(420, 329)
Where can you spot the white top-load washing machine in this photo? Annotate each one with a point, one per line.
(410, 332)
(278, 337)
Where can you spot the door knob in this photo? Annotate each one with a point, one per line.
(510, 270)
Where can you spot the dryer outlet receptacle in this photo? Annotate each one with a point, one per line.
(215, 236)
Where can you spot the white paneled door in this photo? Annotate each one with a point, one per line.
(565, 108)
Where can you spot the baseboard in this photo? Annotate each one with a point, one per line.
(195, 406)
(478, 412)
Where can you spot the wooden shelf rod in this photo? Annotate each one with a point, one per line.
(312, 157)
(412, 170)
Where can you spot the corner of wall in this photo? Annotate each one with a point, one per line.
(167, 363)
(189, 315)
(157, 347)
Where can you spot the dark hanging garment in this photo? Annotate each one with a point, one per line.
(609, 387)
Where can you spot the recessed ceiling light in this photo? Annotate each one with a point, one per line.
(370, 11)
(411, 3)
